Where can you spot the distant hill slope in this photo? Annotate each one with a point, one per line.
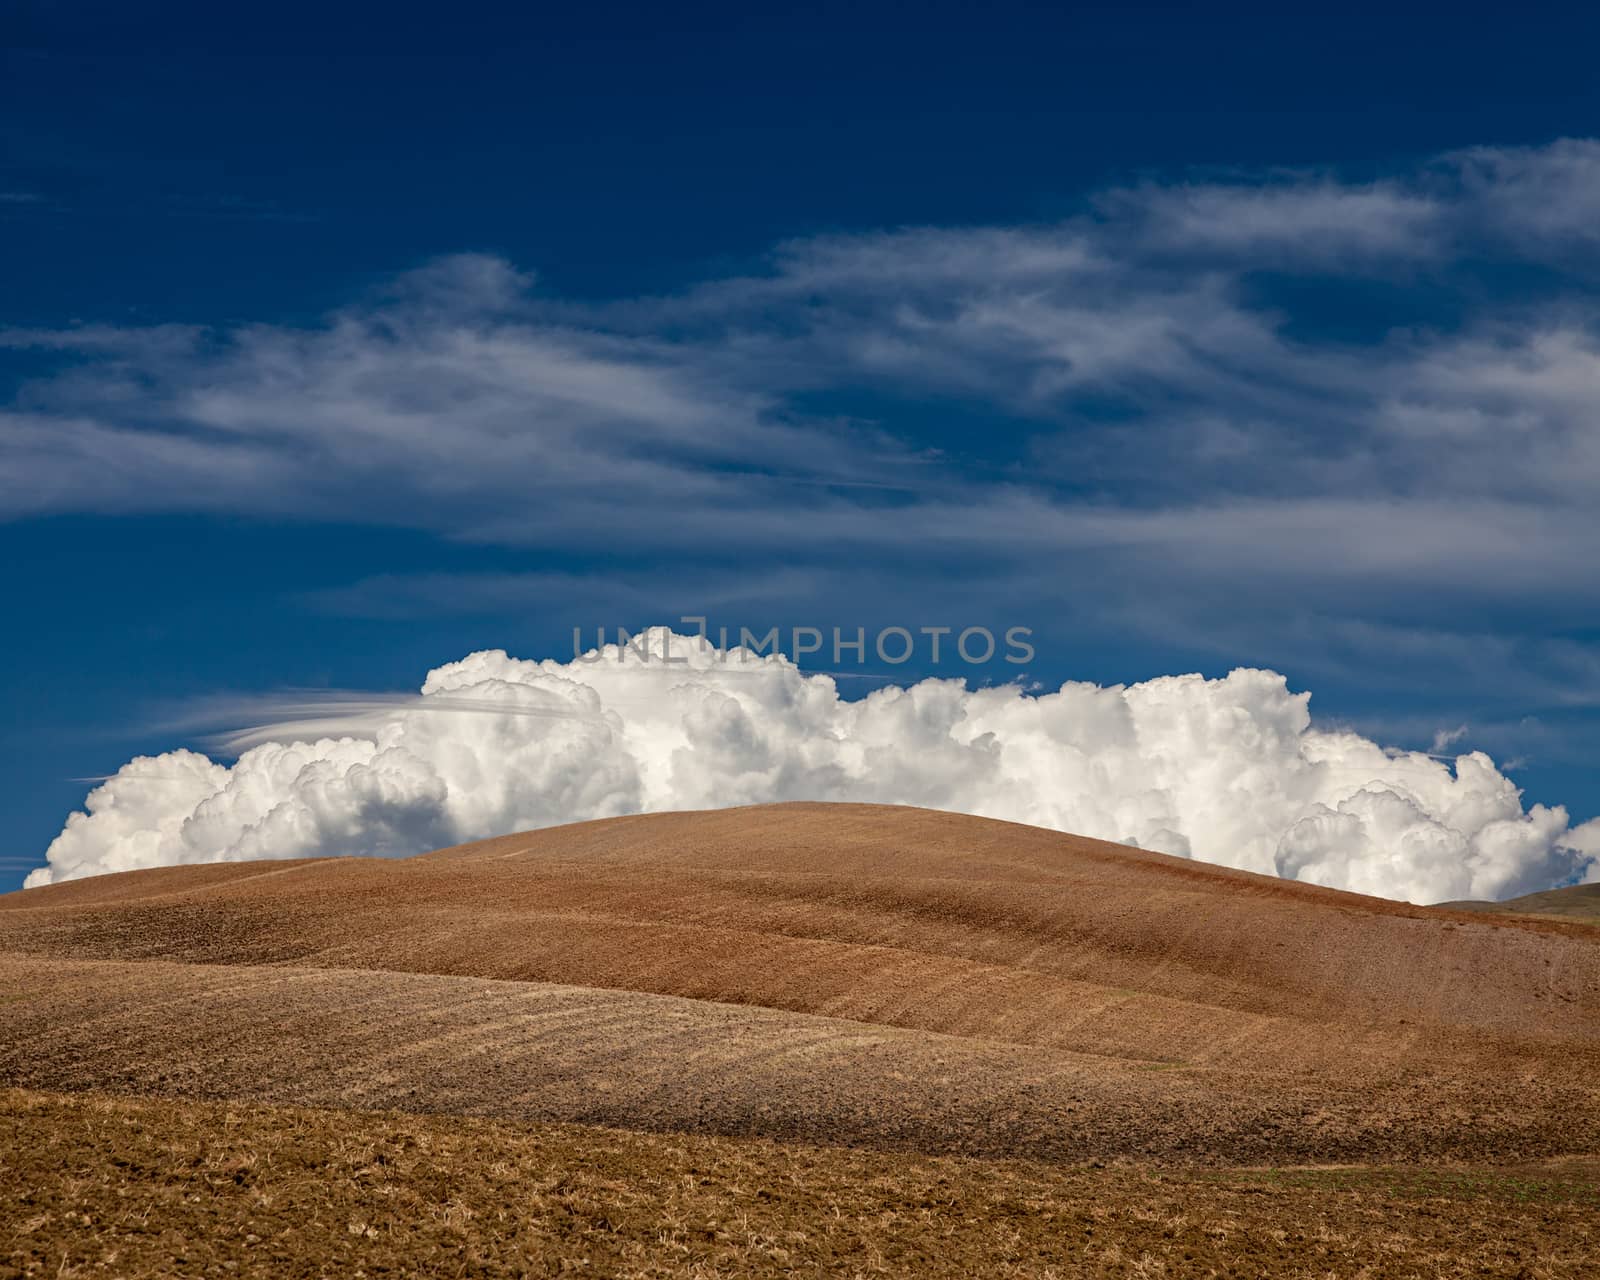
(1581, 902)
(865, 974)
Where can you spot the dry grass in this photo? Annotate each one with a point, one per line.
(98, 1186)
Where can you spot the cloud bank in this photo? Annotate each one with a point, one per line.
(1228, 770)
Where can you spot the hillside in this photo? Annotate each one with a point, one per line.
(859, 974)
(1580, 902)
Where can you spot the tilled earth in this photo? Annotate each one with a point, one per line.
(541, 1052)
(885, 979)
(135, 1189)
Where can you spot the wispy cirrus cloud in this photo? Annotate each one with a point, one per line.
(1175, 400)
(1539, 200)
(1290, 221)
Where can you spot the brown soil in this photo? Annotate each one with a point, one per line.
(908, 982)
(542, 1052)
(95, 1186)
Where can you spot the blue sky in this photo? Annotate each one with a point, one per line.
(337, 345)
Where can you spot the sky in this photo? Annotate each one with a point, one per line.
(336, 346)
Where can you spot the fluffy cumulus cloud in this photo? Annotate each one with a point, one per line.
(1227, 770)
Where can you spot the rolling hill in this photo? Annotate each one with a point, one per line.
(1580, 902)
(866, 976)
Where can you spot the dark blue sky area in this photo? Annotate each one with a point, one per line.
(207, 162)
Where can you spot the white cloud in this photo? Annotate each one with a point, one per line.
(1228, 770)
(1541, 199)
(1116, 410)
(1298, 221)
(1167, 385)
